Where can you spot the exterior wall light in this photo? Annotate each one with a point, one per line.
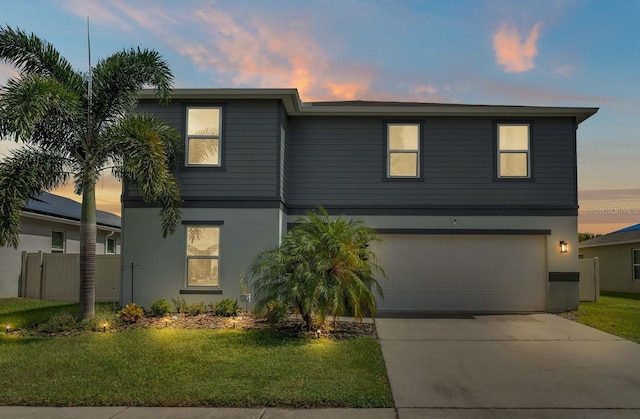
(564, 246)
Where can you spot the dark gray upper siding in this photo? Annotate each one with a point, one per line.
(339, 162)
(250, 136)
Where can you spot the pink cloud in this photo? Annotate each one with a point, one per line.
(256, 52)
(7, 71)
(512, 53)
(97, 12)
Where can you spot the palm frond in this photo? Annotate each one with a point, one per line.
(41, 110)
(23, 175)
(118, 79)
(34, 56)
(144, 148)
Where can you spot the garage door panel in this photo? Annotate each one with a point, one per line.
(463, 273)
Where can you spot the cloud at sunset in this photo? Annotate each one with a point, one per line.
(7, 71)
(513, 53)
(255, 52)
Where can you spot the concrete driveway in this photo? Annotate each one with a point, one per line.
(532, 366)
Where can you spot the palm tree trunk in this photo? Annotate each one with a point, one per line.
(88, 246)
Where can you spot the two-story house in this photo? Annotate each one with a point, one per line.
(476, 205)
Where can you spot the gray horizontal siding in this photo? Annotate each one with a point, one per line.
(250, 135)
(340, 162)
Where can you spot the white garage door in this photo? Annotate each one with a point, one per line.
(480, 273)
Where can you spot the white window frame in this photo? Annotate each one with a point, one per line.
(201, 257)
(203, 137)
(416, 151)
(64, 242)
(527, 151)
(634, 264)
(106, 245)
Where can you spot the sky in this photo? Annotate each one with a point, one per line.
(498, 52)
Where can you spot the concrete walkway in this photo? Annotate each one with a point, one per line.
(509, 366)
(506, 366)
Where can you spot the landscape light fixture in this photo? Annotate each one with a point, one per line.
(564, 246)
(6, 328)
(104, 327)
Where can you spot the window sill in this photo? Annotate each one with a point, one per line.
(201, 291)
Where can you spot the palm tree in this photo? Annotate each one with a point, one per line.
(323, 267)
(74, 126)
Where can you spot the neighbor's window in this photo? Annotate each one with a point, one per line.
(203, 256)
(57, 241)
(403, 150)
(110, 247)
(636, 264)
(203, 136)
(513, 151)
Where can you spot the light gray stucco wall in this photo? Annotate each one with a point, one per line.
(159, 264)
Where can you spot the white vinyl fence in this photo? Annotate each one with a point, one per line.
(56, 276)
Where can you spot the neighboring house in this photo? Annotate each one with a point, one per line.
(619, 254)
(472, 202)
(51, 224)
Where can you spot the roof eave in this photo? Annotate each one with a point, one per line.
(295, 107)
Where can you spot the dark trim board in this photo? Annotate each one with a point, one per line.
(444, 211)
(465, 231)
(201, 292)
(564, 276)
(449, 231)
(269, 203)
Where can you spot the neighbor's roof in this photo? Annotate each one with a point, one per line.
(295, 107)
(58, 206)
(630, 228)
(625, 236)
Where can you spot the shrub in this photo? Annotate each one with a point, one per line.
(226, 308)
(102, 321)
(131, 313)
(276, 312)
(323, 267)
(179, 304)
(160, 308)
(63, 321)
(195, 309)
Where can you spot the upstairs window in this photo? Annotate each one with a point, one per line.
(203, 256)
(203, 136)
(514, 147)
(57, 242)
(403, 150)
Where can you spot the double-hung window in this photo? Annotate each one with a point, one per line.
(204, 141)
(636, 264)
(203, 256)
(514, 151)
(403, 150)
(58, 242)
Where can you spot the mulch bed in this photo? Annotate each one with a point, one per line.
(249, 321)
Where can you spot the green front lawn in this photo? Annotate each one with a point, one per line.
(616, 313)
(175, 367)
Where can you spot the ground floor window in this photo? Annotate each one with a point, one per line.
(110, 247)
(636, 264)
(57, 241)
(203, 256)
